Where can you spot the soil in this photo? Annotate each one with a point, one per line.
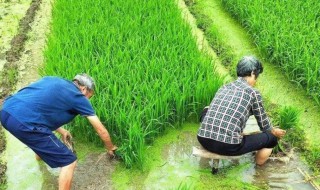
(93, 173)
(3, 166)
(13, 55)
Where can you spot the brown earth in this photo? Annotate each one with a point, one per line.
(13, 55)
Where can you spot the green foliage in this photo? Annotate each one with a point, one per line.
(296, 138)
(185, 186)
(313, 158)
(286, 32)
(148, 70)
(214, 37)
(288, 117)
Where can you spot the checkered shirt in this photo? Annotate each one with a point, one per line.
(229, 111)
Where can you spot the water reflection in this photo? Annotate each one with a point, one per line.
(50, 176)
(278, 175)
(180, 164)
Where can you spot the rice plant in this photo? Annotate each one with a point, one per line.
(148, 70)
(288, 117)
(287, 33)
(184, 186)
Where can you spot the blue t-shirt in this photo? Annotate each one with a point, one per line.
(50, 102)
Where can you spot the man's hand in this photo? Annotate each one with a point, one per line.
(278, 132)
(112, 151)
(65, 135)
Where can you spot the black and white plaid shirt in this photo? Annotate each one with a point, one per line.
(229, 111)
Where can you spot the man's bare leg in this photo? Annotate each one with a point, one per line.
(38, 157)
(263, 155)
(66, 175)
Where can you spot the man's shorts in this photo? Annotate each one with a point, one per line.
(41, 140)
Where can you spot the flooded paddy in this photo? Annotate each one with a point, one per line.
(175, 165)
(178, 166)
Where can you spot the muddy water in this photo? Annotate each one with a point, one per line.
(178, 166)
(278, 175)
(22, 169)
(24, 172)
(181, 166)
(93, 173)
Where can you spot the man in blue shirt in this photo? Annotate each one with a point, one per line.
(44, 106)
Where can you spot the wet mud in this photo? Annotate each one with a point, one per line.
(13, 55)
(275, 174)
(3, 166)
(94, 173)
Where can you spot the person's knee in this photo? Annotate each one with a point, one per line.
(71, 165)
(273, 141)
(38, 157)
(260, 162)
(263, 155)
(74, 163)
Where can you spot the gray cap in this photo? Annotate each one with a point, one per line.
(85, 80)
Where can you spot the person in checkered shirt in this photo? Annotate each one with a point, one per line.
(223, 121)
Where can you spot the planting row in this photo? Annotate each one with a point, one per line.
(148, 70)
(287, 32)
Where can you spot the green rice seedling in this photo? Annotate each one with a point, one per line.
(313, 156)
(286, 33)
(288, 117)
(184, 186)
(146, 64)
(216, 42)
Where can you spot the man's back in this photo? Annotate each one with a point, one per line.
(50, 102)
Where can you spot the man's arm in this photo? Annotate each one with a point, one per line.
(262, 118)
(259, 112)
(103, 133)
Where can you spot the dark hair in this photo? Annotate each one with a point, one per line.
(247, 65)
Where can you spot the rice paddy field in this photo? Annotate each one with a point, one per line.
(148, 70)
(153, 80)
(286, 32)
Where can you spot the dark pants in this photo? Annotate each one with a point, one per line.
(249, 142)
(40, 139)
